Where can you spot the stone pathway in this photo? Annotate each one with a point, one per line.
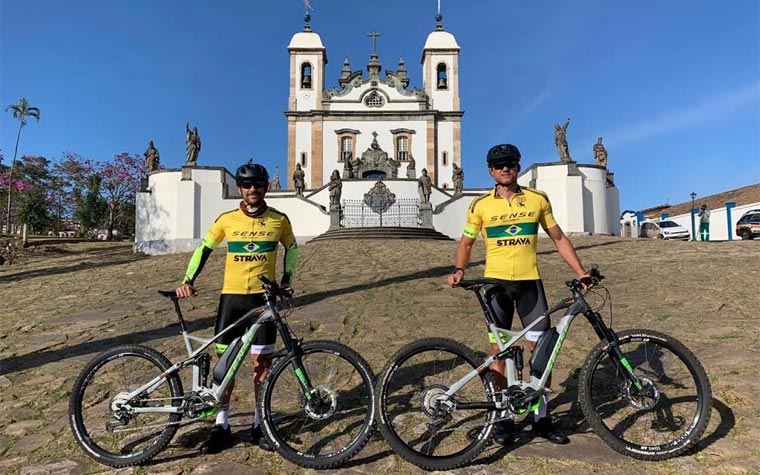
(62, 306)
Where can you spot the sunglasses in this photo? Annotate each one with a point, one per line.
(501, 165)
(248, 184)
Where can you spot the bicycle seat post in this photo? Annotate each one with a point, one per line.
(182, 325)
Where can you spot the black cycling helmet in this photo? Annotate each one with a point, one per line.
(251, 172)
(502, 153)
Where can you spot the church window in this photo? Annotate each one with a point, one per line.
(402, 148)
(306, 76)
(443, 80)
(303, 159)
(373, 100)
(445, 185)
(346, 148)
(445, 158)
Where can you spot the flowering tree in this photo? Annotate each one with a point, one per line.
(120, 180)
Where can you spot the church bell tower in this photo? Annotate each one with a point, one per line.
(307, 81)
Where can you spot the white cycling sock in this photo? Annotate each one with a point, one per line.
(223, 417)
(256, 420)
(540, 413)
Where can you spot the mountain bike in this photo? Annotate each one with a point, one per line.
(317, 403)
(643, 392)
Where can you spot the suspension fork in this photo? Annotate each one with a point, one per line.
(613, 349)
(293, 349)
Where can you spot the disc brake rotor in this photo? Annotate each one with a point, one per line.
(322, 403)
(646, 398)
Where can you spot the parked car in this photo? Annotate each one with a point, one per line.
(748, 226)
(663, 229)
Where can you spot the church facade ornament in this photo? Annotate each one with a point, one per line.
(379, 198)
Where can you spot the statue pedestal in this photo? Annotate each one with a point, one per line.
(335, 211)
(187, 172)
(426, 213)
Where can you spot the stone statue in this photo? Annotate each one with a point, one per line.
(560, 140)
(275, 184)
(424, 187)
(193, 141)
(299, 180)
(348, 168)
(335, 188)
(411, 168)
(152, 160)
(600, 153)
(457, 177)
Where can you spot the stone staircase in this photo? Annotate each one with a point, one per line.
(382, 233)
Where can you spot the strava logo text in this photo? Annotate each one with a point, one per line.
(251, 258)
(513, 242)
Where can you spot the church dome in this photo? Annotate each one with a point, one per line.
(306, 40)
(441, 40)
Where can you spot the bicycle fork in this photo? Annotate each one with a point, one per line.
(613, 349)
(293, 348)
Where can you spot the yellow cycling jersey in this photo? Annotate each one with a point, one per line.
(510, 230)
(251, 249)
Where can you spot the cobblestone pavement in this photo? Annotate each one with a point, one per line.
(61, 305)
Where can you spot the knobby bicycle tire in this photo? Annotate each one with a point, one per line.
(399, 406)
(661, 424)
(102, 382)
(344, 386)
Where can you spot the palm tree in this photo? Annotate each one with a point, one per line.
(20, 111)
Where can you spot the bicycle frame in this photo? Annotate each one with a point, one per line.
(263, 314)
(575, 306)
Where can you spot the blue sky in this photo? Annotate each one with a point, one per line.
(674, 86)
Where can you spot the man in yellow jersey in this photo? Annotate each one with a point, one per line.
(508, 218)
(252, 232)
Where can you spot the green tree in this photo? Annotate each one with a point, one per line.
(34, 197)
(91, 208)
(69, 176)
(34, 211)
(20, 111)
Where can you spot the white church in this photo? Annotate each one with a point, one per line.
(379, 134)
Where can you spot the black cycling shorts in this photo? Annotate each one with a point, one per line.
(234, 306)
(527, 296)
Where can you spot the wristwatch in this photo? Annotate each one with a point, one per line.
(457, 269)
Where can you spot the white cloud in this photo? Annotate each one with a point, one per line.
(709, 110)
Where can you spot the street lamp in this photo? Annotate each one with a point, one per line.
(691, 212)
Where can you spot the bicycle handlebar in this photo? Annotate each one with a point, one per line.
(594, 277)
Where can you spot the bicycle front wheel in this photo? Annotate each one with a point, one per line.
(331, 423)
(663, 419)
(102, 427)
(421, 423)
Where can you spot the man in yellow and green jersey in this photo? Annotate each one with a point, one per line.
(508, 218)
(253, 232)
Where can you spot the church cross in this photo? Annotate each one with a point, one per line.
(374, 36)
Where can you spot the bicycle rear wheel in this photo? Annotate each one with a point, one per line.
(109, 435)
(335, 421)
(664, 419)
(415, 416)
